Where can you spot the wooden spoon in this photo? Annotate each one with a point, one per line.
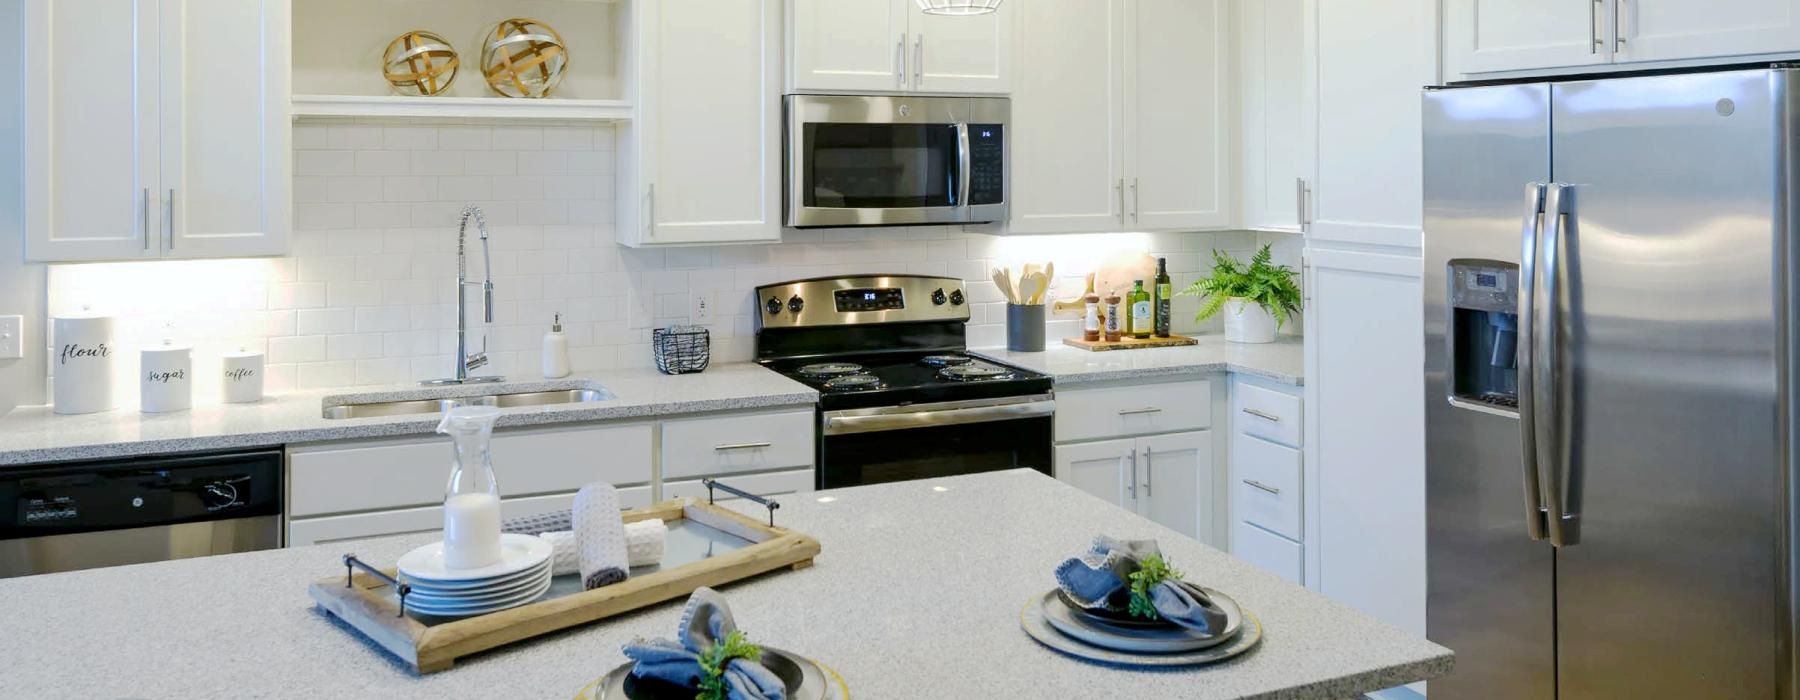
(1003, 280)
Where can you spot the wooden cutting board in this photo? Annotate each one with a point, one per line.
(1129, 343)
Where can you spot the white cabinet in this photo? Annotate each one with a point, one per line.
(737, 443)
(1132, 409)
(1100, 468)
(1665, 30)
(1487, 37)
(700, 162)
(156, 128)
(1275, 103)
(892, 46)
(355, 526)
(1484, 36)
(1165, 478)
(1122, 115)
(1267, 484)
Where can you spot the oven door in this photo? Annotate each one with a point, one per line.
(865, 160)
(901, 443)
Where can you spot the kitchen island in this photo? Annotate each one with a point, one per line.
(916, 594)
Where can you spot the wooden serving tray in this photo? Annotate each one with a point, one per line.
(1129, 343)
(431, 644)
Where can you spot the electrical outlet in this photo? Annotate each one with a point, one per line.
(12, 337)
(701, 312)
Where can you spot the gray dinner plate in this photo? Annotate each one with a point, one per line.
(804, 678)
(1160, 639)
(1032, 618)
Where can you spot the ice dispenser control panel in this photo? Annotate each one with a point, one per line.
(1484, 303)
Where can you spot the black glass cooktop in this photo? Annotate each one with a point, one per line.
(899, 378)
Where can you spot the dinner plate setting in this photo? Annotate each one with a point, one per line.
(521, 576)
(1100, 635)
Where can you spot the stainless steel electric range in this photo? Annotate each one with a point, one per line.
(899, 398)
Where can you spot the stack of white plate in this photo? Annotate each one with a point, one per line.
(521, 576)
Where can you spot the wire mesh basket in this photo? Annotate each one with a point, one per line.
(681, 349)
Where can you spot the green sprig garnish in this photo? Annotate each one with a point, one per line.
(713, 662)
(1151, 571)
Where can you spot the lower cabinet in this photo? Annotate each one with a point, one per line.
(339, 528)
(1145, 448)
(1268, 513)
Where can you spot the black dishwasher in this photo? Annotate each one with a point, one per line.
(82, 515)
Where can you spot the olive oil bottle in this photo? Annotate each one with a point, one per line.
(1142, 318)
(1163, 291)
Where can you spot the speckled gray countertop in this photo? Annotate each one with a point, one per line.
(36, 434)
(1280, 361)
(916, 594)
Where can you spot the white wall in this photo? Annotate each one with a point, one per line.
(21, 285)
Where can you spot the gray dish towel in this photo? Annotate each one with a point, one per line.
(706, 621)
(1100, 579)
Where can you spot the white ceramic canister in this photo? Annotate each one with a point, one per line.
(167, 375)
(83, 362)
(243, 379)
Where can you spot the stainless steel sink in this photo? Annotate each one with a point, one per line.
(418, 406)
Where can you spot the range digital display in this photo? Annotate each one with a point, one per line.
(884, 299)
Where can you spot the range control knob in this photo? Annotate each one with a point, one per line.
(956, 297)
(938, 297)
(795, 304)
(218, 494)
(773, 305)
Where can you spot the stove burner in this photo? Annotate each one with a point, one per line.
(945, 360)
(854, 382)
(973, 373)
(829, 369)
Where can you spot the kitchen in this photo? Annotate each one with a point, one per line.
(265, 252)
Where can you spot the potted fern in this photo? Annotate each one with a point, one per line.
(1257, 300)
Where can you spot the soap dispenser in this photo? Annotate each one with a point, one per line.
(556, 351)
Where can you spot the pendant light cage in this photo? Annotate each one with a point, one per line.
(958, 7)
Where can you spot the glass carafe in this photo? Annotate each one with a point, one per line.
(472, 500)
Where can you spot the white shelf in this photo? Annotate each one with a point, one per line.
(458, 107)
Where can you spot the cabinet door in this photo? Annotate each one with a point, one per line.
(1484, 36)
(1176, 482)
(962, 54)
(225, 128)
(1365, 442)
(1103, 469)
(1275, 101)
(1176, 57)
(1657, 30)
(1067, 123)
(836, 45)
(91, 106)
(710, 154)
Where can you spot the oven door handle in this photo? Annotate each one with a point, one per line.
(845, 425)
(964, 162)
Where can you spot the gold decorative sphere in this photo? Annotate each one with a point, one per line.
(419, 63)
(523, 57)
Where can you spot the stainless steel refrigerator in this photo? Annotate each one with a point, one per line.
(1609, 286)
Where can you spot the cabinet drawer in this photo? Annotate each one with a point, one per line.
(384, 475)
(742, 443)
(767, 484)
(1267, 550)
(1266, 413)
(1266, 484)
(1086, 414)
(339, 528)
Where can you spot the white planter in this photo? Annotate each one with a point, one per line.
(1248, 323)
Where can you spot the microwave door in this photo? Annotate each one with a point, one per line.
(867, 174)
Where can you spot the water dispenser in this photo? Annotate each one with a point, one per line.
(1484, 333)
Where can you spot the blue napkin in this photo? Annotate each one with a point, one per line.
(1101, 579)
(706, 621)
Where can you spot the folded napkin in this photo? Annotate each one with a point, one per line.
(599, 536)
(1101, 579)
(644, 543)
(704, 623)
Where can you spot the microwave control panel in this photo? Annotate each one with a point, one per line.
(987, 163)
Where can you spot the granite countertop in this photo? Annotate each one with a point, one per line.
(916, 594)
(36, 434)
(1280, 361)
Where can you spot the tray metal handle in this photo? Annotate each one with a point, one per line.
(351, 564)
(768, 503)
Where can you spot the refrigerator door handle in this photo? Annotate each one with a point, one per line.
(1528, 253)
(1549, 379)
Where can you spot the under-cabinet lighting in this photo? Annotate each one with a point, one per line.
(826, 499)
(940, 489)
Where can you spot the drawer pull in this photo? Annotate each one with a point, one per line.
(1265, 415)
(740, 446)
(1252, 483)
(1139, 411)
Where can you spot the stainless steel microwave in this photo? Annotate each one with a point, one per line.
(874, 160)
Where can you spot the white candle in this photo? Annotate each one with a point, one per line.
(471, 530)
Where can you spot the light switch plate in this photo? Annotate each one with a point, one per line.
(12, 337)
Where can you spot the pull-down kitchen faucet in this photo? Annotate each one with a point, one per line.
(464, 360)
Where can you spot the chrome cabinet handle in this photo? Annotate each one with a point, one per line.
(1132, 485)
(1120, 188)
(650, 213)
(900, 60)
(1558, 472)
(1134, 200)
(1527, 355)
(1260, 486)
(740, 446)
(1596, 42)
(144, 218)
(1265, 415)
(919, 62)
(1618, 25)
(1302, 198)
(1138, 411)
(169, 228)
(1149, 466)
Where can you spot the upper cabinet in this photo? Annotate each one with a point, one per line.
(1275, 103)
(701, 160)
(1121, 116)
(117, 101)
(892, 46)
(1487, 37)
